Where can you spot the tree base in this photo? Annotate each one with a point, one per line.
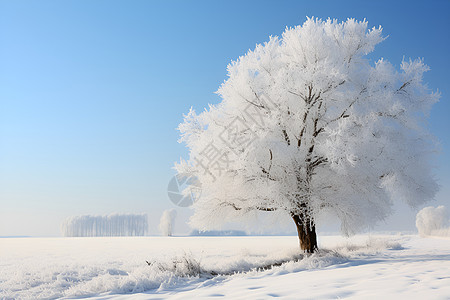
(306, 234)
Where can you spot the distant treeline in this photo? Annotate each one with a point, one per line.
(218, 233)
(109, 225)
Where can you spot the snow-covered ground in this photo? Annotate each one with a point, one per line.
(362, 267)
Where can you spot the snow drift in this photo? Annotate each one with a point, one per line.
(109, 225)
(433, 221)
(55, 268)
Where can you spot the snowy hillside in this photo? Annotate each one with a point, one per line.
(363, 267)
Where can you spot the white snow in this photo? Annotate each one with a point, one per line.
(433, 221)
(110, 225)
(362, 267)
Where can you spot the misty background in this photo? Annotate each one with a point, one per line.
(91, 94)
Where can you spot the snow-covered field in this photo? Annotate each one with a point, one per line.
(362, 267)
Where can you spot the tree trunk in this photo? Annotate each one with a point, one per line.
(306, 234)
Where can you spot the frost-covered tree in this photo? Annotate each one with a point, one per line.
(433, 221)
(167, 221)
(308, 125)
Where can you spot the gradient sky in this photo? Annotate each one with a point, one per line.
(91, 93)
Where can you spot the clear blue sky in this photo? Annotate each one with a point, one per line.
(91, 92)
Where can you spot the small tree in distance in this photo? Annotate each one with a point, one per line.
(307, 126)
(167, 221)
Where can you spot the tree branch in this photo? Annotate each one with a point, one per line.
(401, 89)
(270, 166)
(344, 114)
(286, 137)
(253, 103)
(257, 207)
